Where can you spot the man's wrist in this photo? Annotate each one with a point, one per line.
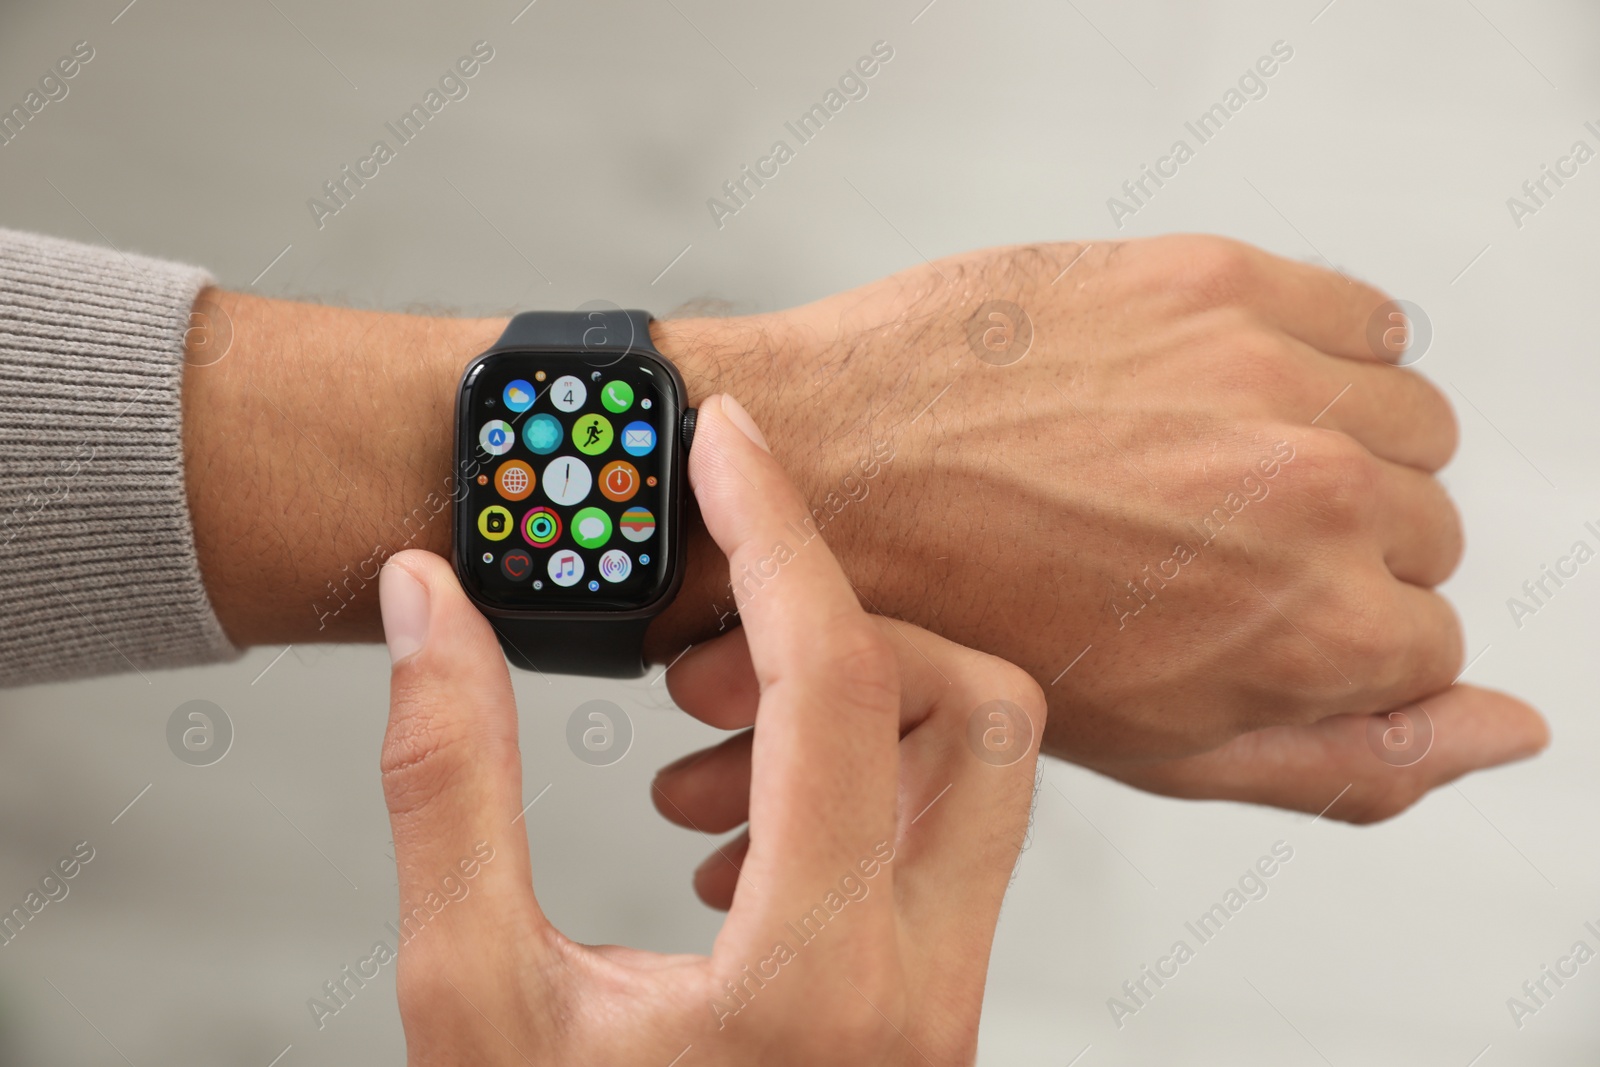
(316, 446)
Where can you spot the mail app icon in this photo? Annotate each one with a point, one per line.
(638, 438)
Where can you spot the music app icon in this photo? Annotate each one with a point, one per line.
(566, 567)
(619, 480)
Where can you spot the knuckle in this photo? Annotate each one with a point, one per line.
(1340, 479)
(1256, 364)
(1215, 271)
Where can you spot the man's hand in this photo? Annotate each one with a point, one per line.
(1173, 479)
(864, 899)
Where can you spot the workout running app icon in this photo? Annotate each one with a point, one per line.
(514, 479)
(592, 434)
(494, 522)
(619, 480)
(541, 527)
(637, 524)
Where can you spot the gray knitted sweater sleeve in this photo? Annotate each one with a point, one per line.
(98, 571)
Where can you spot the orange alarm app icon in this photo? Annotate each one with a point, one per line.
(619, 480)
(514, 479)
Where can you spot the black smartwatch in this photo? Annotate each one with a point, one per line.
(572, 434)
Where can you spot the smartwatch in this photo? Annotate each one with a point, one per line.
(572, 434)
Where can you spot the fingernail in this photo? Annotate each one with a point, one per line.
(741, 418)
(404, 603)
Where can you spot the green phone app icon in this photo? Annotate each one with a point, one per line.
(591, 527)
(617, 397)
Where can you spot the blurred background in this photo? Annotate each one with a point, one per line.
(577, 167)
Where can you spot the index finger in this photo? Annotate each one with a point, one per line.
(825, 755)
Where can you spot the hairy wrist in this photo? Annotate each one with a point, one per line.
(317, 445)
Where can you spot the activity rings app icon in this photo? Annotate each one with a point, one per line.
(541, 527)
(519, 395)
(542, 434)
(494, 523)
(591, 434)
(497, 437)
(514, 480)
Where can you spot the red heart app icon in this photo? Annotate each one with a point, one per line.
(516, 564)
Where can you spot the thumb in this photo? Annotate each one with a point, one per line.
(1375, 765)
(452, 772)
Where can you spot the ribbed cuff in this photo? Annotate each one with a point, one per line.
(98, 571)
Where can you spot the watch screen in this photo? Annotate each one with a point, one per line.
(567, 461)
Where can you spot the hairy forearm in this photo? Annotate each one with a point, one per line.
(322, 441)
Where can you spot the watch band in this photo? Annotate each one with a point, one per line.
(615, 330)
(601, 647)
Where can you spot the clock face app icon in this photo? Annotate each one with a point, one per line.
(567, 480)
(619, 480)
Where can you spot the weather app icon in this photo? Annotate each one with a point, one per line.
(519, 395)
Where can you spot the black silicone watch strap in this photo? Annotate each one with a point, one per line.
(599, 647)
(579, 331)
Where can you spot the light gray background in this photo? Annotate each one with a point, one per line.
(587, 148)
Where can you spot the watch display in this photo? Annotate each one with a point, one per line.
(567, 463)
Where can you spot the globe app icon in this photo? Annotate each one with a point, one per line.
(542, 434)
